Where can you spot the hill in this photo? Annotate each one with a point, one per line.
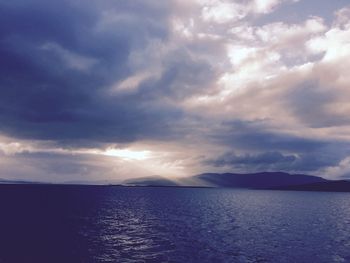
(263, 180)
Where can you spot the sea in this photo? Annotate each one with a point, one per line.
(67, 223)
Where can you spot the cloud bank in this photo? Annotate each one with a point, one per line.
(201, 85)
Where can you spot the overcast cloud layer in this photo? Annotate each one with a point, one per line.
(116, 89)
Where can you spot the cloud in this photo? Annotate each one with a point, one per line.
(265, 6)
(322, 164)
(263, 161)
(224, 11)
(58, 69)
(72, 60)
(340, 170)
(188, 80)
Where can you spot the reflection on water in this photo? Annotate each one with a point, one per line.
(122, 224)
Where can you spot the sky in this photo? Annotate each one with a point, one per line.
(112, 89)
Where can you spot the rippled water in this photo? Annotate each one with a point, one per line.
(125, 224)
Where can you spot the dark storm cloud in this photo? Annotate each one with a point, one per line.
(273, 151)
(59, 57)
(255, 135)
(275, 161)
(310, 102)
(247, 159)
(183, 77)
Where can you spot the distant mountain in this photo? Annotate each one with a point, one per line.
(329, 186)
(263, 180)
(258, 180)
(91, 182)
(7, 181)
(151, 181)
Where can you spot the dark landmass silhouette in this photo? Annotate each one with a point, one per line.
(258, 180)
(329, 186)
(7, 181)
(151, 181)
(263, 180)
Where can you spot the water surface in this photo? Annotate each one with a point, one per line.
(143, 224)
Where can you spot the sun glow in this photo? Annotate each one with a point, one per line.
(128, 154)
